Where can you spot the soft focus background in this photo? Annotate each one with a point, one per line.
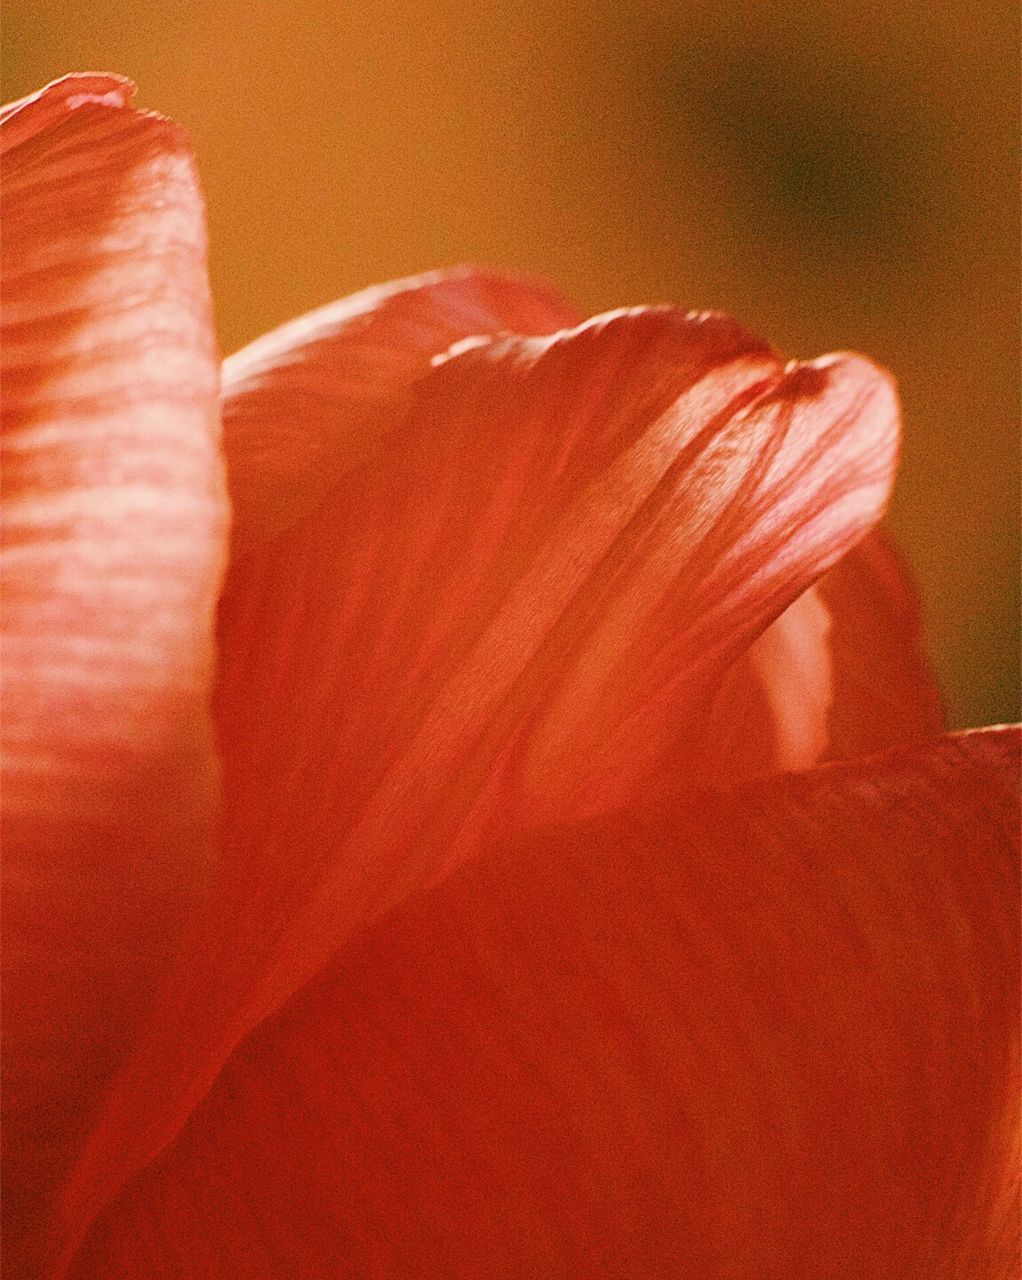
(836, 175)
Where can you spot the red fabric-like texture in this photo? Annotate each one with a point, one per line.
(773, 1034)
(113, 543)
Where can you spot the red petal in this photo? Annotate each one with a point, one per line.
(114, 525)
(839, 675)
(772, 709)
(510, 613)
(471, 632)
(777, 1038)
(884, 692)
(310, 401)
(51, 105)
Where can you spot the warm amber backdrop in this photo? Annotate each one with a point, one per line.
(837, 175)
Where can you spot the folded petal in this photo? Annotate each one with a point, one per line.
(839, 675)
(511, 613)
(774, 1035)
(771, 711)
(884, 691)
(113, 542)
(309, 402)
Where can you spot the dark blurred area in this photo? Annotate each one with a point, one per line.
(840, 176)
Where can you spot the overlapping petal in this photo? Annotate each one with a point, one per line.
(839, 675)
(477, 583)
(113, 542)
(773, 1033)
(312, 400)
(772, 709)
(509, 614)
(884, 693)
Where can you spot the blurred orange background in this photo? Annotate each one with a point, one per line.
(836, 175)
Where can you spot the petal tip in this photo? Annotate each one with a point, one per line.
(865, 408)
(27, 116)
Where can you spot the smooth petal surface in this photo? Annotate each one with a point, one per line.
(884, 693)
(113, 541)
(839, 675)
(772, 709)
(510, 614)
(774, 1035)
(318, 396)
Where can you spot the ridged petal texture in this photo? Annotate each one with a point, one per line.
(511, 610)
(318, 396)
(491, 568)
(113, 543)
(771, 1034)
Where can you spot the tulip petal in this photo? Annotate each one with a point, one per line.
(309, 402)
(839, 675)
(318, 396)
(774, 1035)
(503, 617)
(113, 543)
(511, 613)
(51, 105)
(884, 692)
(771, 712)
